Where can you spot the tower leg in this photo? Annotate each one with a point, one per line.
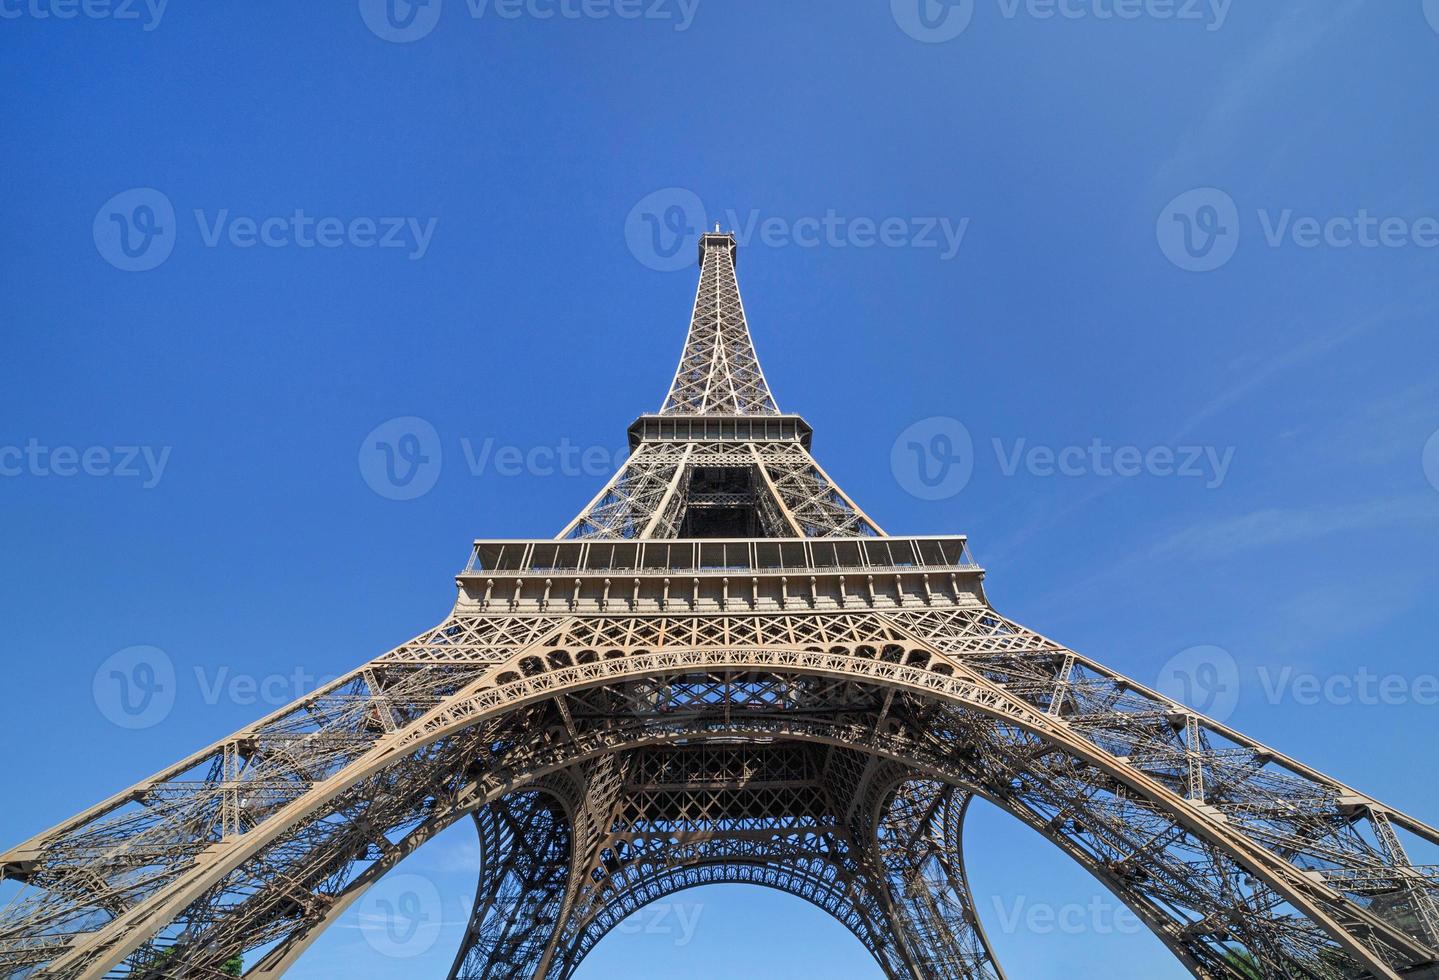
(525, 844)
(917, 841)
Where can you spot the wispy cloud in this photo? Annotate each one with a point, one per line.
(449, 857)
(1273, 527)
(1392, 427)
(1216, 134)
(1281, 526)
(1294, 628)
(1264, 368)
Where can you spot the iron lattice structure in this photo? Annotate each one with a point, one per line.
(724, 671)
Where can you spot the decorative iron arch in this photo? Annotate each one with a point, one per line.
(655, 686)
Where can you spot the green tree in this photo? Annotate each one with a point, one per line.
(1245, 963)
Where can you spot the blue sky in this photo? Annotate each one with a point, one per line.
(1204, 242)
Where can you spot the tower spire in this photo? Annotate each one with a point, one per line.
(718, 372)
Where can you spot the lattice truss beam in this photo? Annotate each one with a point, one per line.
(650, 494)
(696, 815)
(719, 378)
(718, 372)
(1221, 845)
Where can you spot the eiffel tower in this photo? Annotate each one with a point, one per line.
(723, 670)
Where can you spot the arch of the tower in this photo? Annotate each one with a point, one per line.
(813, 820)
(921, 817)
(1208, 881)
(913, 922)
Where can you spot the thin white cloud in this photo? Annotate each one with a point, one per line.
(1226, 538)
(1279, 526)
(1214, 137)
(1268, 367)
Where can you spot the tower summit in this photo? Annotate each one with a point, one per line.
(718, 373)
(719, 460)
(722, 670)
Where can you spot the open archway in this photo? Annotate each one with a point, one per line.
(901, 712)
